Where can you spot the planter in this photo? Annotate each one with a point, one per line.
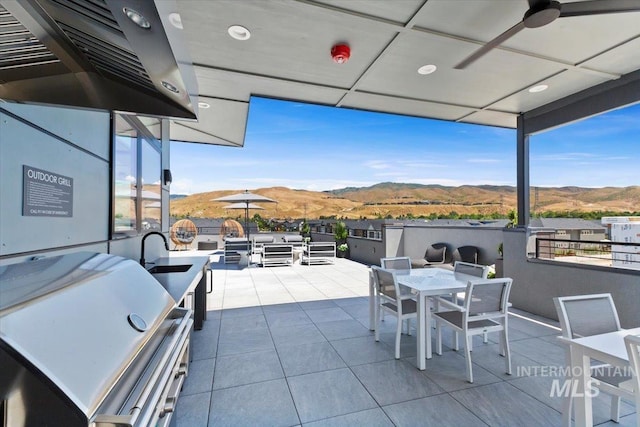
(341, 254)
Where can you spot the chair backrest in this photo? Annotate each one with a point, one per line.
(292, 238)
(396, 263)
(466, 254)
(436, 253)
(385, 282)
(262, 239)
(487, 296)
(632, 342)
(586, 315)
(476, 270)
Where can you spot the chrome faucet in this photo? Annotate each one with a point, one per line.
(166, 245)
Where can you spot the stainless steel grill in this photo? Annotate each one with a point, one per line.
(89, 339)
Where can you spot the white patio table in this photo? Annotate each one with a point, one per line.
(425, 283)
(608, 348)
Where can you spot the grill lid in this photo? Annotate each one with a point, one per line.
(68, 317)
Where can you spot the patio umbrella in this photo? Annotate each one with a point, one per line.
(244, 201)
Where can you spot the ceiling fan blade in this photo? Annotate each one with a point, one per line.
(490, 45)
(598, 7)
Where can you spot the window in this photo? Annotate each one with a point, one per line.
(137, 186)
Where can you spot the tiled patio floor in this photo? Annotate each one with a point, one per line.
(288, 346)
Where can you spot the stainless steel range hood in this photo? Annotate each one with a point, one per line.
(106, 54)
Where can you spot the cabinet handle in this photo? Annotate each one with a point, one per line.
(209, 280)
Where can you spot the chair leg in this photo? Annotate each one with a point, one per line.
(615, 409)
(507, 351)
(467, 356)
(567, 406)
(438, 337)
(377, 322)
(456, 347)
(408, 327)
(398, 334)
(485, 337)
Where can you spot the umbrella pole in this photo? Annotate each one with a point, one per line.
(246, 227)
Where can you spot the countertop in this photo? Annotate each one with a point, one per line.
(179, 284)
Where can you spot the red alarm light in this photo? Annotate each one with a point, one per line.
(340, 53)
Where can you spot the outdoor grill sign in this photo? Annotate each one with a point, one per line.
(46, 193)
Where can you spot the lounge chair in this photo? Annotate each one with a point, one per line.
(436, 254)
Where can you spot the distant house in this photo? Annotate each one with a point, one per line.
(571, 228)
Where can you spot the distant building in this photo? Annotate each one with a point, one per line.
(571, 228)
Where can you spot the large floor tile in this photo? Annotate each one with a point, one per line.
(192, 411)
(327, 394)
(200, 378)
(394, 381)
(441, 410)
(288, 318)
(315, 305)
(369, 418)
(328, 314)
(359, 351)
(245, 342)
(247, 368)
(541, 387)
(240, 312)
(502, 404)
(240, 324)
(342, 329)
(204, 343)
(540, 351)
(296, 334)
(488, 357)
(307, 358)
(261, 404)
(449, 371)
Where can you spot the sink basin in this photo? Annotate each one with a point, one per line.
(181, 268)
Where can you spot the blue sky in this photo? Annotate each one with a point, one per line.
(312, 147)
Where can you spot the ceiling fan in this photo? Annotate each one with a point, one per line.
(543, 12)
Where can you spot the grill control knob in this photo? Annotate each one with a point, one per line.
(137, 322)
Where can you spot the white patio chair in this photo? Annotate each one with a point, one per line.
(583, 316)
(484, 310)
(396, 263)
(401, 263)
(476, 270)
(392, 300)
(632, 343)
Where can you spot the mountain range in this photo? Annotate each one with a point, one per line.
(396, 199)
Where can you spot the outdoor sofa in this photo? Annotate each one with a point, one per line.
(276, 254)
(319, 253)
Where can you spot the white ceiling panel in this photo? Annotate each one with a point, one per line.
(569, 39)
(409, 107)
(239, 86)
(289, 40)
(560, 85)
(623, 59)
(492, 118)
(396, 72)
(223, 123)
(397, 10)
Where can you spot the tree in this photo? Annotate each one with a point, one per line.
(340, 232)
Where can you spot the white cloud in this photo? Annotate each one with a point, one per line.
(377, 164)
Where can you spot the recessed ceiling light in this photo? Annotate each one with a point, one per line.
(137, 18)
(427, 69)
(203, 105)
(170, 87)
(239, 32)
(538, 88)
(176, 20)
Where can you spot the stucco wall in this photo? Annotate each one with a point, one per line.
(417, 239)
(536, 282)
